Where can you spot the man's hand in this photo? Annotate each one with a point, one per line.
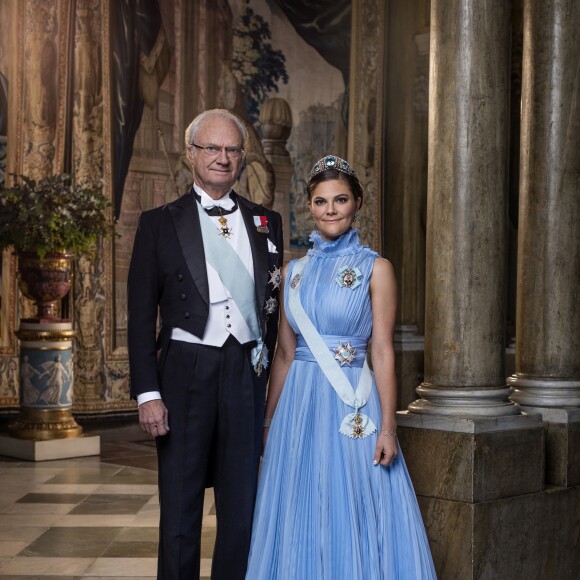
(153, 417)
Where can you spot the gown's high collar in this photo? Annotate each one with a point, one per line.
(348, 243)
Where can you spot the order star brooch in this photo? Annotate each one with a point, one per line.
(349, 277)
(271, 305)
(344, 353)
(275, 278)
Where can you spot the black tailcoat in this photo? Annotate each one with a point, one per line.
(168, 271)
(215, 401)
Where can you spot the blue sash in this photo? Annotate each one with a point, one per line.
(235, 277)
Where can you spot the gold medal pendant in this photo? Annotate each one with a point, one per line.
(358, 430)
(225, 229)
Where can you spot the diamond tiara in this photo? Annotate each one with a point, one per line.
(331, 162)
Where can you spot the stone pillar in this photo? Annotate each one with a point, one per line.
(466, 211)
(404, 182)
(276, 124)
(474, 459)
(547, 366)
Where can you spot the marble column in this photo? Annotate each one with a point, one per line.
(466, 211)
(547, 364)
(473, 457)
(548, 311)
(404, 199)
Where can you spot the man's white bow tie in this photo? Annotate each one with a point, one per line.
(226, 203)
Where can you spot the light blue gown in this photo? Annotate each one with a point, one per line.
(324, 511)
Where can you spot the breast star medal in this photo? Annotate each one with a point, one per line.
(271, 305)
(344, 353)
(262, 361)
(349, 277)
(224, 228)
(275, 278)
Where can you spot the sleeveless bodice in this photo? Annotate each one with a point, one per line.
(334, 290)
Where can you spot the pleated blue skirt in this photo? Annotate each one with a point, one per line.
(324, 511)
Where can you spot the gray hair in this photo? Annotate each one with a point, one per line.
(195, 125)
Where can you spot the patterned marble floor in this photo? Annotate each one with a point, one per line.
(92, 518)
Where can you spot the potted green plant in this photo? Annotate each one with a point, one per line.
(46, 222)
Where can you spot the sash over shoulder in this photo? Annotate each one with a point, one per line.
(356, 425)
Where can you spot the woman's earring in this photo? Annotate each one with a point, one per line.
(314, 222)
(356, 214)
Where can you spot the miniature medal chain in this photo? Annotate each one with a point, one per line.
(358, 429)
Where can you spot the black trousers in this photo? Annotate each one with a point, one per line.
(214, 414)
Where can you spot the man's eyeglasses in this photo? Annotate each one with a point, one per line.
(214, 150)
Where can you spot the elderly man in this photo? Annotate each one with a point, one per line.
(209, 265)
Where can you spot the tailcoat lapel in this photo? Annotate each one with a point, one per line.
(259, 245)
(186, 220)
